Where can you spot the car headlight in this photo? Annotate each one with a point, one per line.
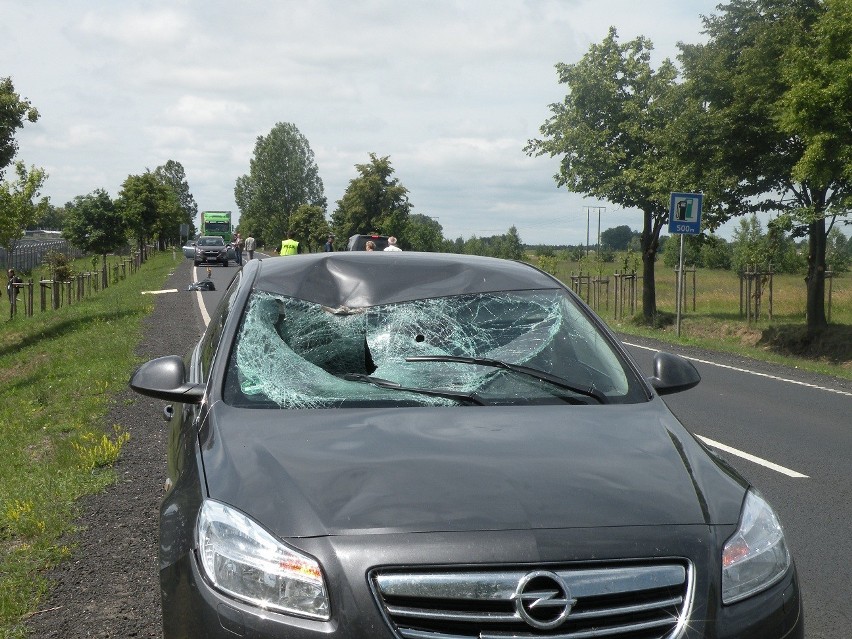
(756, 556)
(243, 560)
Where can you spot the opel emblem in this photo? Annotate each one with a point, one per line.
(543, 600)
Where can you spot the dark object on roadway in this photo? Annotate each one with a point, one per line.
(359, 242)
(203, 285)
(211, 248)
(413, 445)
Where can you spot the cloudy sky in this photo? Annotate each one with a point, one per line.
(450, 90)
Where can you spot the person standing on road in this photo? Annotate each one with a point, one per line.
(250, 244)
(238, 248)
(392, 244)
(289, 246)
(329, 244)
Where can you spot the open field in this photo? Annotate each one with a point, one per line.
(58, 372)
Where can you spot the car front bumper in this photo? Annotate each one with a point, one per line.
(192, 607)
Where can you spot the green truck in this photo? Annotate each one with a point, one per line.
(217, 223)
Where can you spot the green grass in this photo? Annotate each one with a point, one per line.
(716, 321)
(58, 372)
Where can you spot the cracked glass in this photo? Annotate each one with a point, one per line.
(290, 353)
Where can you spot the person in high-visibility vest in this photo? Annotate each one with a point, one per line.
(289, 246)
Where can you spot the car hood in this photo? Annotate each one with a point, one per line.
(305, 473)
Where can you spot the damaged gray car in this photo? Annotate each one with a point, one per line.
(428, 446)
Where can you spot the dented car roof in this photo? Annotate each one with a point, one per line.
(359, 279)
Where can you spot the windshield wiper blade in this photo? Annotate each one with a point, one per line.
(542, 376)
(386, 383)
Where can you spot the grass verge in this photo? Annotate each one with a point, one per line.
(58, 372)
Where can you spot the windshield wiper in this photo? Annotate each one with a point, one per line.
(386, 383)
(542, 376)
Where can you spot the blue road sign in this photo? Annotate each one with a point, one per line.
(685, 213)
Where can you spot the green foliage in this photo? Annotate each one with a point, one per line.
(617, 238)
(507, 246)
(422, 233)
(613, 131)
(772, 90)
(61, 266)
(752, 248)
(839, 251)
(283, 176)
(815, 107)
(716, 253)
(51, 218)
(93, 224)
(373, 201)
(691, 250)
(172, 174)
(150, 208)
(17, 202)
(309, 227)
(13, 111)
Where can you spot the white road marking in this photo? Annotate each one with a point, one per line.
(165, 290)
(752, 458)
(750, 372)
(198, 297)
(730, 449)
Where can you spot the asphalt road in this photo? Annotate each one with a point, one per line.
(789, 433)
(798, 426)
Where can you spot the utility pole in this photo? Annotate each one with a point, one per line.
(588, 211)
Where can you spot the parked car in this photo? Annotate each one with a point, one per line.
(211, 248)
(419, 445)
(359, 242)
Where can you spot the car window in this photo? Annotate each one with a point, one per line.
(212, 336)
(297, 354)
(211, 241)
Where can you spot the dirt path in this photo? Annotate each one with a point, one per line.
(110, 587)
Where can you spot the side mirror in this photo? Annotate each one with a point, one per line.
(673, 374)
(163, 378)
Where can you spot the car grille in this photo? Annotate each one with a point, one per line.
(635, 601)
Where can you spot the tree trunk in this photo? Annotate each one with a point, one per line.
(815, 279)
(649, 245)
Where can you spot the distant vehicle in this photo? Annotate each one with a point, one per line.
(212, 249)
(217, 223)
(432, 446)
(359, 242)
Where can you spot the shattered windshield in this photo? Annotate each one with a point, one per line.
(290, 353)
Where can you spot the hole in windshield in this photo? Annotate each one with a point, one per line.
(290, 353)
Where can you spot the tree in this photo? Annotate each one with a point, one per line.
(52, 219)
(282, 177)
(19, 206)
(172, 174)
(94, 225)
(610, 132)
(13, 111)
(373, 201)
(149, 207)
(839, 251)
(774, 83)
(617, 238)
(309, 226)
(423, 233)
